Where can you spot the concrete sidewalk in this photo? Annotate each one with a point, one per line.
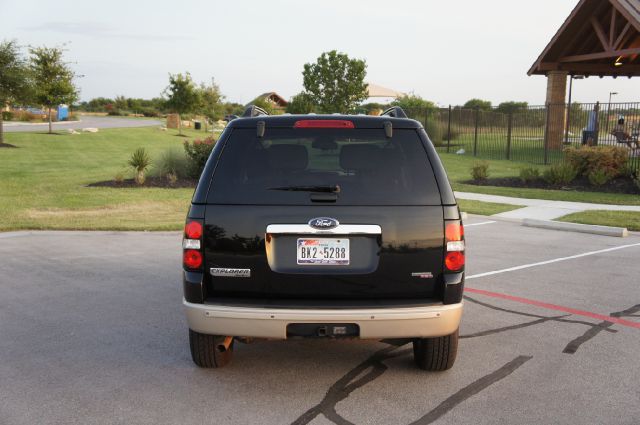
(541, 209)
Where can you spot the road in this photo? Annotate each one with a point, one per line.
(86, 121)
(92, 332)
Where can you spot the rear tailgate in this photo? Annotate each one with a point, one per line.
(403, 261)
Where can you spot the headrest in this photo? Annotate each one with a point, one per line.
(288, 157)
(360, 157)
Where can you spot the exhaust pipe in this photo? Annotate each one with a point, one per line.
(224, 346)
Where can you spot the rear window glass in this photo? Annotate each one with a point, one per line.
(368, 168)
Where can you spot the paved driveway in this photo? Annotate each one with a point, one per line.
(92, 331)
(85, 121)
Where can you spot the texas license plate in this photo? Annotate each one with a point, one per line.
(323, 251)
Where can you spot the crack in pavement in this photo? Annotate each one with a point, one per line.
(374, 367)
(540, 319)
(344, 386)
(471, 390)
(573, 345)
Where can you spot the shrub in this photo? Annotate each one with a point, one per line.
(560, 174)
(172, 178)
(628, 171)
(480, 171)
(118, 178)
(7, 115)
(599, 177)
(26, 116)
(529, 174)
(197, 154)
(172, 162)
(636, 180)
(140, 162)
(587, 159)
(149, 112)
(115, 113)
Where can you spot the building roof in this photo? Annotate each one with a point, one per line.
(600, 37)
(272, 97)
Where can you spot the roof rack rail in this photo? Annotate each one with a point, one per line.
(254, 111)
(394, 112)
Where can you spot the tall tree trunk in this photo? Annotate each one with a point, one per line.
(50, 127)
(179, 125)
(1, 126)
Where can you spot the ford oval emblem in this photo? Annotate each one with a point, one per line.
(323, 223)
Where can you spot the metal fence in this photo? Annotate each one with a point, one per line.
(535, 134)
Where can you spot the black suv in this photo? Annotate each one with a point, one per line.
(335, 226)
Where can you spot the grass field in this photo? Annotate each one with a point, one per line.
(43, 182)
(628, 219)
(484, 208)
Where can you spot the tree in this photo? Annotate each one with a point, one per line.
(52, 78)
(211, 101)
(183, 96)
(335, 82)
(483, 105)
(413, 104)
(13, 78)
(511, 107)
(301, 103)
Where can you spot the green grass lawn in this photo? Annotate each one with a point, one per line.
(484, 208)
(43, 182)
(458, 166)
(628, 219)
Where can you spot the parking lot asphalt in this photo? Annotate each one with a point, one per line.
(92, 332)
(85, 121)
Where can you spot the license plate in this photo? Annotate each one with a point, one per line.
(324, 251)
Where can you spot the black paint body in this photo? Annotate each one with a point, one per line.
(412, 242)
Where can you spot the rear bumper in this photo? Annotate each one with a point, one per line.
(409, 322)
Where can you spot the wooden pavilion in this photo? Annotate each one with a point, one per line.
(599, 38)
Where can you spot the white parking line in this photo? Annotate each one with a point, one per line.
(479, 224)
(555, 260)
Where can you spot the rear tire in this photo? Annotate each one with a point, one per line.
(436, 354)
(206, 352)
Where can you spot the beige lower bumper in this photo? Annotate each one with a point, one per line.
(410, 322)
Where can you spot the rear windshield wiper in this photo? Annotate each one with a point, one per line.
(324, 189)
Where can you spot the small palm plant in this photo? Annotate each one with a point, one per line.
(140, 162)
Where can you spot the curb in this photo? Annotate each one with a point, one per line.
(619, 232)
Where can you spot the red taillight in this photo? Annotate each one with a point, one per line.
(193, 230)
(454, 242)
(454, 261)
(192, 259)
(454, 231)
(324, 124)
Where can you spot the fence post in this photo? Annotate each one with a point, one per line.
(475, 133)
(546, 133)
(449, 130)
(509, 129)
(597, 129)
(568, 123)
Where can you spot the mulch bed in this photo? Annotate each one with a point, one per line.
(7, 145)
(581, 184)
(149, 182)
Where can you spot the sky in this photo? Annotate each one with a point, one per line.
(444, 51)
